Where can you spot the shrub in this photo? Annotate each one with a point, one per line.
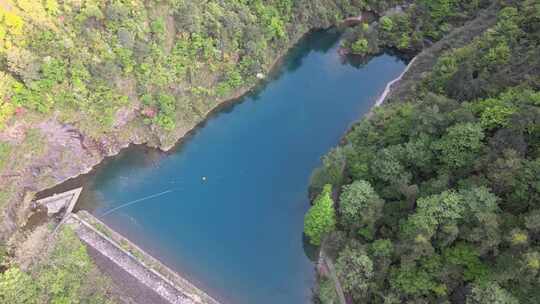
(360, 47)
(386, 23)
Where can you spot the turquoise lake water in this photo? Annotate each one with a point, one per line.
(226, 207)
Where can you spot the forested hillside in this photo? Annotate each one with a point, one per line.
(436, 196)
(411, 27)
(87, 59)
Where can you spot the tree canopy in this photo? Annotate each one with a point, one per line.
(439, 192)
(321, 218)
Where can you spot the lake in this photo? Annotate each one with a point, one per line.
(225, 208)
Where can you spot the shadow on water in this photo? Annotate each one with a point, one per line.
(359, 61)
(136, 157)
(311, 251)
(319, 41)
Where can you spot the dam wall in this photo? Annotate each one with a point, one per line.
(147, 270)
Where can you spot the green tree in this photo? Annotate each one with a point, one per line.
(386, 23)
(467, 257)
(532, 220)
(355, 271)
(496, 114)
(532, 261)
(68, 275)
(321, 218)
(433, 211)
(490, 293)
(382, 248)
(459, 147)
(360, 207)
(360, 46)
(482, 219)
(167, 110)
(5, 152)
(388, 166)
(327, 292)
(17, 287)
(420, 277)
(158, 26)
(419, 154)
(518, 237)
(412, 281)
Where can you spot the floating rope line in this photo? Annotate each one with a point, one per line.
(137, 201)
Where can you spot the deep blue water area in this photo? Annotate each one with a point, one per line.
(226, 207)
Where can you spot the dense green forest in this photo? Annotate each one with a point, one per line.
(411, 27)
(173, 57)
(436, 195)
(66, 274)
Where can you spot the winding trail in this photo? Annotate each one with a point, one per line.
(333, 274)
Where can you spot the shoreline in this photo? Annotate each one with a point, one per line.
(181, 137)
(236, 98)
(388, 88)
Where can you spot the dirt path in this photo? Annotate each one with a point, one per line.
(329, 265)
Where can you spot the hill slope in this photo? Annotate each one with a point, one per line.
(437, 194)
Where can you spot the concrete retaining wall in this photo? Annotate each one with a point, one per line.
(133, 260)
